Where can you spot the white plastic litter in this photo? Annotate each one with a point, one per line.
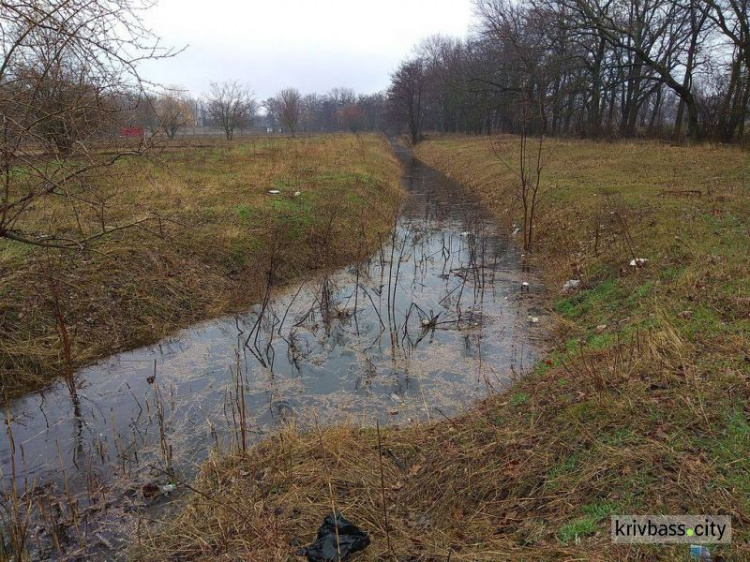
(638, 262)
(572, 285)
(274, 191)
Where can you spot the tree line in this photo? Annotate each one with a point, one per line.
(232, 106)
(589, 68)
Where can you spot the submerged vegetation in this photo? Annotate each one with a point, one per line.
(215, 239)
(641, 405)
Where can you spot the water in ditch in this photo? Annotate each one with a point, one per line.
(433, 321)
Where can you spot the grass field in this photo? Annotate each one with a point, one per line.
(210, 251)
(642, 405)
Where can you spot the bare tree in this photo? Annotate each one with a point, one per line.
(352, 117)
(406, 96)
(596, 67)
(231, 106)
(290, 106)
(312, 112)
(732, 19)
(166, 113)
(531, 165)
(273, 113)
(68, 79)
(174, 111)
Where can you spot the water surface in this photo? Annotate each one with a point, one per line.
(433, 321)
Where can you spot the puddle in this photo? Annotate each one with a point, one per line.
(435, 320)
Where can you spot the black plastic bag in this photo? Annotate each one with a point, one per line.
(351, 539)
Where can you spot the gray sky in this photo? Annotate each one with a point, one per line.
(313, 45)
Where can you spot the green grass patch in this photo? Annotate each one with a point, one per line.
(520, 398)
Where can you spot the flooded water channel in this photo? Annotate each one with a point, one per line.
(433, 321)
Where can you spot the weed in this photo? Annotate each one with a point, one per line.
(520, 398)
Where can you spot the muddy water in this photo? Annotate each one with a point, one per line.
(436, 319)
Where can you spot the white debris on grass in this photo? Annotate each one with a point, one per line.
(572, 285)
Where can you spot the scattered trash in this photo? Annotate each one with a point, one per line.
(274, 191)
(533, 319)
(700, 552)
(638, 262)
(600, 328)
(525, 287)
(297, 193)
(572, 285)
(150, 490)
(153, 490)
(329, 544)
(464, 233)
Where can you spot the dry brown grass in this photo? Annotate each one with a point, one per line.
(209, 252)
(646, 415)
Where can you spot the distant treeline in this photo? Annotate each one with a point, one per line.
(231, 106)
(590, 68)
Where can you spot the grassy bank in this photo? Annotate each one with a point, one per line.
(218, 235)
(640, 407)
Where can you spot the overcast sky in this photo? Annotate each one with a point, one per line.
(313, 45)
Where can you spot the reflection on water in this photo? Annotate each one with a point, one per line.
(430, 323)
